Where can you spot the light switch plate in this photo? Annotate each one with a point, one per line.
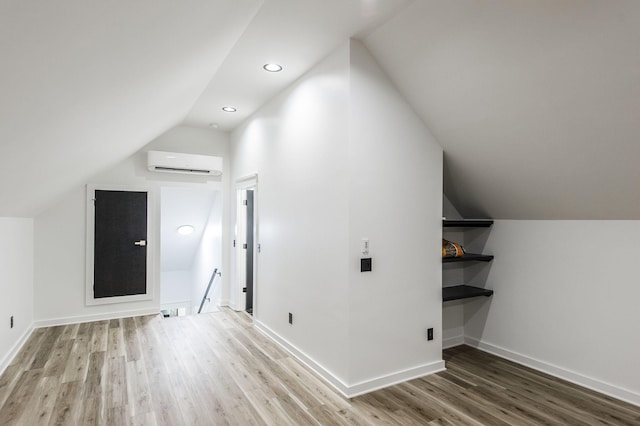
(365, 246)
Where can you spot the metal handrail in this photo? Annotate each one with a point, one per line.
(206, 293)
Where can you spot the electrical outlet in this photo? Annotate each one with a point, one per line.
(290, 318)
(365, 264)
(11, 321)
(429, 333)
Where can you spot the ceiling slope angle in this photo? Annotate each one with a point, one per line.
(535, 103)
(86, 84)
(293, 34)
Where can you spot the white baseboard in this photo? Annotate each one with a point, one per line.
(394, 378)
(450, 342)
(6, 360)
(95, 317)
(348, 390)
(235, 307)
(562, 373)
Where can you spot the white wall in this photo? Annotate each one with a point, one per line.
(566, 301)
(60, 230)
(297, 144)
(175, 287)
(339, 157)
(209, 257)
(16, 285)
(395, 185)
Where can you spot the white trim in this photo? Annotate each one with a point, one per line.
(247, 182)
(562, 373)
(395, 378)
(452, 342)
(95, 317)
(235, 307)
(242, 184)
(350, 391)
(8, 358)
(152, 237)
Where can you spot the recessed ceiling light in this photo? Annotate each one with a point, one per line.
(185, 229)
(229, 109)
(272, 67)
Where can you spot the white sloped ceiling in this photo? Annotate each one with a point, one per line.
(294, 33)
(84, 84)
(536, 103)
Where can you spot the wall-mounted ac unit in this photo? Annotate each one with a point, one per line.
(175, 162)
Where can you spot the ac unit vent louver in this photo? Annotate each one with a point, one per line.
(175, 162)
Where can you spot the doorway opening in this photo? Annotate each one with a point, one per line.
(191, 250)
(246, 245)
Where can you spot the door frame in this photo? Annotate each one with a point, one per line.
(152, 247)
(244, 183)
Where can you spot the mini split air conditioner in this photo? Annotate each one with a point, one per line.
(175, 162)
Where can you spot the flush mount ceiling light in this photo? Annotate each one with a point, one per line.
(185, 229)
(272, 67)
(229, 109)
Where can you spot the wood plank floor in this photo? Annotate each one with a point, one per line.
(216, 369)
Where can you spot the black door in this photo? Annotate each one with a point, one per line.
(120, 250)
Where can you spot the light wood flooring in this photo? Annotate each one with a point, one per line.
(216, 369)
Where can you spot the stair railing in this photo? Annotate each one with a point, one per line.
(206, 293)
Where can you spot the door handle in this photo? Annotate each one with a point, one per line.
(141, 243)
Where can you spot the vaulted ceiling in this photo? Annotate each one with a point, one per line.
(536, 103)
(85, 84)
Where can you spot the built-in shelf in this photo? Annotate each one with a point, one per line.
(463, 292)
(458, 292)
(467, 223)
(469, 257)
